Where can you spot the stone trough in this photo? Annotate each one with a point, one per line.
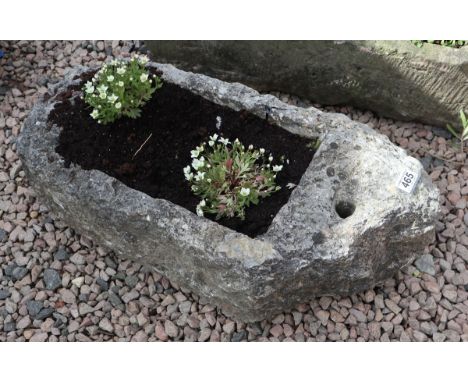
(396, 79)
(350, 223)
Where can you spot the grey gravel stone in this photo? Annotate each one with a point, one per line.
(106, 325)
(131, 281)
(170, 329)
(19, 272)
(426, 264)
(34, 307)
(3, 235)
(102, 283)
(185, 306)
(52, 279)
(44, 313)
(4, 294)
(9, 327)
(239, 336)
(116, 301)
(61, 254)
(439, 337)
(24, 322)
(361, 317)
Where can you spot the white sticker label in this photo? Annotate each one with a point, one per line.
(408, 180)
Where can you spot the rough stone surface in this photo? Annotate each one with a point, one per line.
(394, 78)
(308, 243)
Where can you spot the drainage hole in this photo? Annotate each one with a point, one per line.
(344, 209)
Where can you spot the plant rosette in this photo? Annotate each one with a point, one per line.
(120, 88)
(230, 177)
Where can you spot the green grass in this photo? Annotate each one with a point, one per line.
(462, 133)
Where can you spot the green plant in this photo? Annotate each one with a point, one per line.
(230, 177)
(314, 144)
(462, 135)
(120, 89)
(448, 43)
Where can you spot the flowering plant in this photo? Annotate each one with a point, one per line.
(229, 177)
(120, 89)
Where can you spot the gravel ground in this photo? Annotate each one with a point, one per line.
(56, 285)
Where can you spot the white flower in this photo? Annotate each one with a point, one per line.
(290, 185)
(110, 78)
(262, 151)
(200, 176)
(121, 70)
(89, 88)
(194, 188)
(113, 98)
(208, 180)
(194, 153)
(224, 141)
(144, 77)
(245, 191)
(103, 95)
(94, 114)
(118, 105)
(102, 88)
(237, 140)
(213, 139)
(121, 84)
(218, 122)
(198, 163)
(143, 59)
(250, 147)
(277, 168)
(199, 208)
(270, 158)
(188, 173)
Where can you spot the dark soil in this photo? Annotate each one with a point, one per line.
(178, 121)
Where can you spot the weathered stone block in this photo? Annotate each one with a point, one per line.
(393, 78)
(345, 227)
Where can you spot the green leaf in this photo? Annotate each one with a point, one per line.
(454, 133)
(465, 134)
(463, 118)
